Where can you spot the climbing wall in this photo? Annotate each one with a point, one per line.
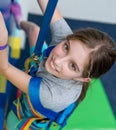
(98, 110)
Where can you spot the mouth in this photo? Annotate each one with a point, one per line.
(52, 64)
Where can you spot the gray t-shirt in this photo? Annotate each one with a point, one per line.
(55, 93)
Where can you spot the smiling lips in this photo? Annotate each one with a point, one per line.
(53, 65)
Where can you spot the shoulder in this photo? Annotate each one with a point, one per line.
(60, 25)
(59, 30)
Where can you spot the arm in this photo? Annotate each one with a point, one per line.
(14, 75)
(59, 27)
(57, 15)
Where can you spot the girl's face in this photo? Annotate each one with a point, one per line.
(68, 59)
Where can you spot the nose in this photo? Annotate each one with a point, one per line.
(60, 61)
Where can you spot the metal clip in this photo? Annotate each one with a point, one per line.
(34, 59)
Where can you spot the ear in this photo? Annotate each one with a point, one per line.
(83, 79)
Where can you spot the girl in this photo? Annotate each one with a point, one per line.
(74, 59)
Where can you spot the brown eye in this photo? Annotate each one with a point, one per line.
(73, 66)
(66, 47)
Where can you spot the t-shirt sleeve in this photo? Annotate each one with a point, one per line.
(59, 30)
(56, 97)
(34, 97)
(51, 96)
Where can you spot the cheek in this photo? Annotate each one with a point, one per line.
(73, 75)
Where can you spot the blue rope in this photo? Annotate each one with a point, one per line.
(45, 25)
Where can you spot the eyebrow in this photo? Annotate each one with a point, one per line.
(69, 50)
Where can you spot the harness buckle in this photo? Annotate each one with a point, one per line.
(31, 61)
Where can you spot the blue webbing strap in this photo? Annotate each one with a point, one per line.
(65, 113)
(63, 117)
(45, 25)
(34, 95)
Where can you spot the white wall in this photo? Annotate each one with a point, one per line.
(95, 10)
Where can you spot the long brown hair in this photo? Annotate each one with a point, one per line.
(102, 57)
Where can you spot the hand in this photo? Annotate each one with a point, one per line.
(3, 31)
